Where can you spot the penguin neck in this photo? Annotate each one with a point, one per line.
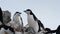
(34, 17)
(30, 18)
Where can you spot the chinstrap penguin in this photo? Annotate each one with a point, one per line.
(17, 22)
(33, 21)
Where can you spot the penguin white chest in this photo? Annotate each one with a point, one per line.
(17, 18)
(32, 23)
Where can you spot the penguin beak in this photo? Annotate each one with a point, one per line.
(20, 13)
(24, 11)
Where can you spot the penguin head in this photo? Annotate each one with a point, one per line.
(47, 29)
(28, 11)
(17, 13)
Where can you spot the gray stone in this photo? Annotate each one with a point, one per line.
(6, 17)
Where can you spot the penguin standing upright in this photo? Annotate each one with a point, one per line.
(33, 21)
(17, 22)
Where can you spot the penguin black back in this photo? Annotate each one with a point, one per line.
(1, 16)
(40, 25)
(58, 30)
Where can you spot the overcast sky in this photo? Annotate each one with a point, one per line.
(48, 11)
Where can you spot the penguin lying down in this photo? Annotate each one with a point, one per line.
(6, 29)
